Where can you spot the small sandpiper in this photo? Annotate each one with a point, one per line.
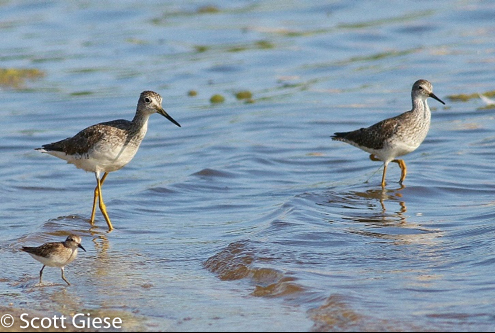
(396, 136)
(56, 254)
(108, 146)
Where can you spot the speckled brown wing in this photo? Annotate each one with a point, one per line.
(44, 250)
(87, 138)
(373, 137)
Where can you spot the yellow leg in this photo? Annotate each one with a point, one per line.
(401, 164)
(384, 173)
(373, 158)
(403, 169)
(103, 208)
(93, 211)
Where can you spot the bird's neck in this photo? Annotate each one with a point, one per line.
(421, 106)
(140, 121)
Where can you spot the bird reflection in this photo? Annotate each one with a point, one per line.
(378, 214)
(100, 240)
(383, 195)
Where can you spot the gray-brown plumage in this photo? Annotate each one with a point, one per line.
(396, 136)
(56, 254)
(108, 146)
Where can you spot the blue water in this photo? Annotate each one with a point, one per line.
(249, 217)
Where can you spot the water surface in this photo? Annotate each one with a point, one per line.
(249, 217)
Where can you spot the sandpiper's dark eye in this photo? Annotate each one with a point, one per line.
(147, 100)
(420, 87)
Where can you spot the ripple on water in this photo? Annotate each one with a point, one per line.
(242, 260)
(335, 315)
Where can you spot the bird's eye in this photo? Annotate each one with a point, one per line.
(420, 87)
(147, 100)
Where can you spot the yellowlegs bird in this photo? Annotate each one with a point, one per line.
(108, 146)
(396, 136)
(56, 254)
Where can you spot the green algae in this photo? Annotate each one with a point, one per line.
(244, 94)
(217, 98)
(208, 9)
(16, 78)
(467, 97)
(258, 45)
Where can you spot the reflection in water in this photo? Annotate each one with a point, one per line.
(363, 205)
(100, 240)
(383, 194)
(371, 208)
(63, 300)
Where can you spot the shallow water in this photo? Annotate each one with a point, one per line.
(249, 217)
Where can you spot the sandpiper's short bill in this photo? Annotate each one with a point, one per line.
(56, 254)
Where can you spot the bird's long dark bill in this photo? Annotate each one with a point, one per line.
(81, 247)
(165, 114)
(432, 95)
